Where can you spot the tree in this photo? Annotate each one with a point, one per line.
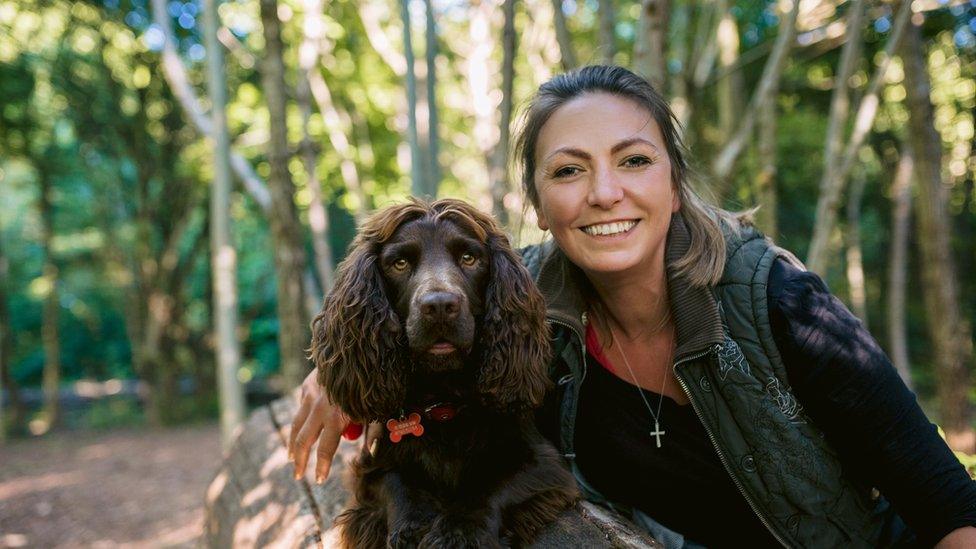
(949, 330)
(838, 165)
(650, 45)
(52, 300)
(901, 206)
(223, 256)
(289, 252)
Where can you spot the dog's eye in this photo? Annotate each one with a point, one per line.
(401, 264)
(468, 260)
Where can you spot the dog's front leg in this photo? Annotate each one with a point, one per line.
(470, 528)
(410, 511)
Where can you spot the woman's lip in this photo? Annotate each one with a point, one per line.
(443, 348)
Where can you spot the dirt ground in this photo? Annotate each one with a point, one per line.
(129, 488)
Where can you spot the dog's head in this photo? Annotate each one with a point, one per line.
(435, 287)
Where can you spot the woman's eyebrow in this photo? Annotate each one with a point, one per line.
(572, 151)
(632, 141)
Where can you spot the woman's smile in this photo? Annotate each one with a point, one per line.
(612, 229)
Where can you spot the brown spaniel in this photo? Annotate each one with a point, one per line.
(435, 329)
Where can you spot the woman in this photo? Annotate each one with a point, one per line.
(706, 385)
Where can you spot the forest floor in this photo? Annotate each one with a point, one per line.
(131, 487)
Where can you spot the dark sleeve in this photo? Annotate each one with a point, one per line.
(852, 392)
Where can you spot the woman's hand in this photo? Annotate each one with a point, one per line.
(317, 419)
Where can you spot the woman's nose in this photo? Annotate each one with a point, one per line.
(606, 189)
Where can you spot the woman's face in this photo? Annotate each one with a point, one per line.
(604, 181)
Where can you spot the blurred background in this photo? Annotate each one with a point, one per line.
(159, 266)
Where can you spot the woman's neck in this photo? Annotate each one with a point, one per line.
(636, 303)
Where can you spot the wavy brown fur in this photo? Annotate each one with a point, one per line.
(485, 475)
(358, 344)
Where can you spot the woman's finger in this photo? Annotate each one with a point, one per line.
(297, 423)
(303, 442)
(328, 443)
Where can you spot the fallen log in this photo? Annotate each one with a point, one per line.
(254, 501)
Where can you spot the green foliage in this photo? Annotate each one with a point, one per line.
(84, 101)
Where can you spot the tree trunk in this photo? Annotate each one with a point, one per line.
(832, 184)
(51, 311)
(433, 135)
(223, 256)
(289, 252)
(179, 82)
(566, 50)
(417, 186)
(4, 351)
(948, 328)
(855, 265)
(901, 216)
(768, 81)
(766, 217)
(498, 161)
(608, 35)
(650, 44)
(729, 84)
(318, 215)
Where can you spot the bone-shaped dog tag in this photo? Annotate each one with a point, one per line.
(409, 425)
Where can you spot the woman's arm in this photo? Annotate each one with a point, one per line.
(849, 388)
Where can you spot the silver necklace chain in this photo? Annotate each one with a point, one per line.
(657, 432)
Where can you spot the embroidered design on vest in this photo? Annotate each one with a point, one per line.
(730, 356)
(787, 403)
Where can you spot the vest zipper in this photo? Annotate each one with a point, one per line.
(718, 449)
(582, 345)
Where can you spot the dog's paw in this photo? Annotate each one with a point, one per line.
(406, 534)
(446, 533)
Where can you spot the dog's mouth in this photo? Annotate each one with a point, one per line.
(441, 347)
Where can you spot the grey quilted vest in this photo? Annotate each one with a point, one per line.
(727, 363)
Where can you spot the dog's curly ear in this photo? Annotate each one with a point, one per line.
(514, 334)
(357, 340)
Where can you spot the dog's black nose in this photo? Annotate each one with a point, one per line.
(440, 306)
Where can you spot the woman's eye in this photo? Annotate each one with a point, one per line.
(567, 171)
(401, 264)
(636, 161)
(468, 260)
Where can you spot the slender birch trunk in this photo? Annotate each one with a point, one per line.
(840, 165)
(498, 161)
(901, 217)
(766, 178)
(566, 49)
(768, 82)
(4, 330)
(433, 133)
(51, 312)
(729, 84)
(855, 265)
(608, 35)
(650, 44)
(417, 186)
(318, 215)
(289, 251)
(179, 82)
(949, 330)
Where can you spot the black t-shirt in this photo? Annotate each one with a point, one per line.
(847, 387)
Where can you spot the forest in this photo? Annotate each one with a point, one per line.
(178, 179)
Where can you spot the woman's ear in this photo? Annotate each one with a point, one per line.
(357, 341)
(514, 339)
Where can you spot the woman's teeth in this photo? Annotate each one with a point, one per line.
(606, 229)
